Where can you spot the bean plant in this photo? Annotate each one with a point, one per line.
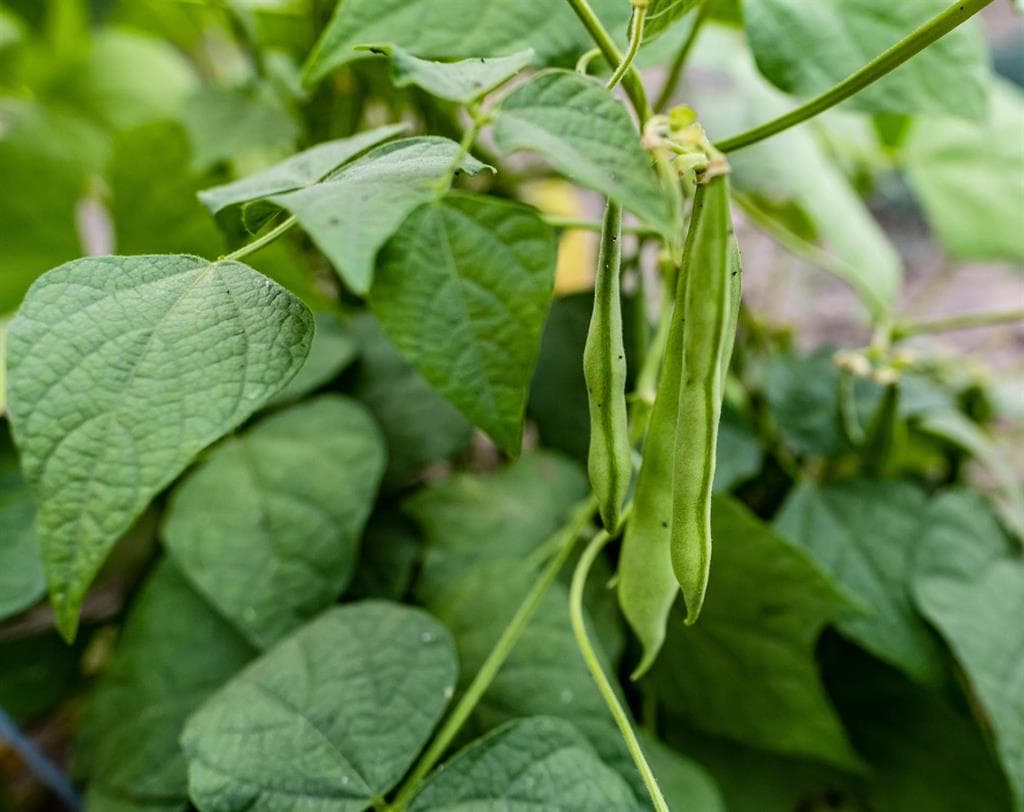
(388, 429)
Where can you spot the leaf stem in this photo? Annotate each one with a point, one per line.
(636, 38)
(260, 242)
(568, 534)
(631, 82)
(465, 145)
(579, 580)
(884, 63)
(675, 72)
(953, 323)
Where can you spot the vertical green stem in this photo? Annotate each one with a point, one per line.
(502, 648)
(579, 580)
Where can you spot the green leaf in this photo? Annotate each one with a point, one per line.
(539, 677)
(152, 195)
(389, 555)
(482, 535)
(558, 391)
(333, 349)
(978, 619)
(354, 211)
(268, 527)
(306, 168)
(970, 585)
(925, 752)
(683, 782)
(766, 607)
(37, 673)
(127, 80)
(863, 534)
(754, 780)
(461, 29)
(174, 652)
(587, 135)
(973, 617)
(739, 454)
(805, 51)
(22, 581)
(536, 763)
(121, 369)
(965, 172)
(963, 433)
(855, 247)
(959, 538)
(12, 29)
(351, 697)
(39, 221)
(463, 81)
(229, 125)
(663, 14)
(802, 395)
(98, 800)
(462, 289)
(514, 509)
(421, 427)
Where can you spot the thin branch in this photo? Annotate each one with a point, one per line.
(579, 627)
(911, 45)
(631, 82)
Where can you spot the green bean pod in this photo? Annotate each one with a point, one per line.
(609, 462)
(881, 436)
(709, 326)
(647, 585)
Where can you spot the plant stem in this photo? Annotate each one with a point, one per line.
(675, 72)
(556, 221)
(636, 38)
(889, 60)
(953, 323)
(502, 648)
(260, 242)
(603, 40)
(465, 145)
(579, 580)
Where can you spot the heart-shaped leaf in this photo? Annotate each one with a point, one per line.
(536, 763)
(462, 290)
(121, 370)
(268, 526)
(174, 652)
(303, 169)
(586, 133)
(354, 211)
(329, 719)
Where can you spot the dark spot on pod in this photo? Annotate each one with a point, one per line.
(664, 524)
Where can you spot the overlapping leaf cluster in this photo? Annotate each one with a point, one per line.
(254, 304)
